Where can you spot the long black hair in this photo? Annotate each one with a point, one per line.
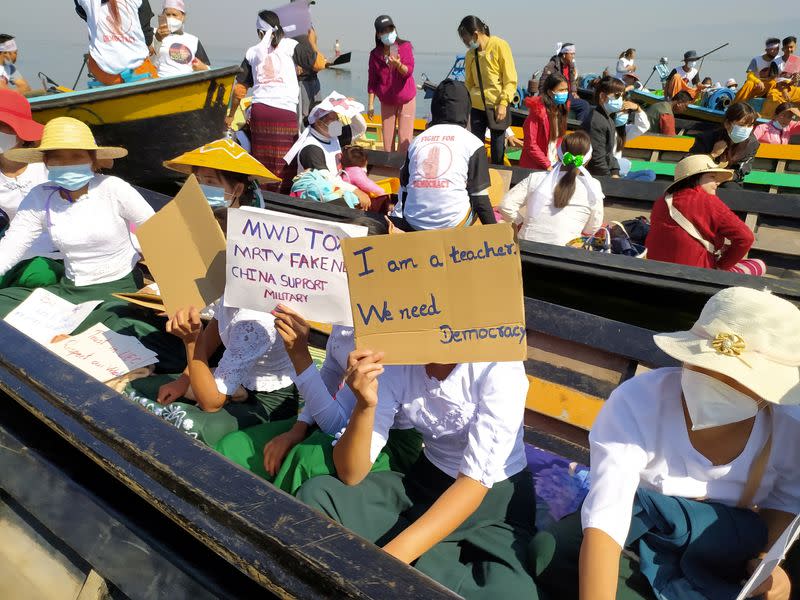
(577, 143)
(272, 19)
(556, 113)
(470, 25)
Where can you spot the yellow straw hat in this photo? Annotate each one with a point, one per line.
(698, 164)
(65, 133)
(223, 155)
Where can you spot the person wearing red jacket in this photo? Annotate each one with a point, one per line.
(689, 225)
(545, 124)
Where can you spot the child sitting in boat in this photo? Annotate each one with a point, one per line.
(555, 207)
(463, 512)
(10, 77)
(690, 224)
(785, 124)
(681, 455)
(177, 52)
(354, 171)
(317, 183)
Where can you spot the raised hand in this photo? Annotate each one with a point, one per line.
(186, 324)
(363, 369)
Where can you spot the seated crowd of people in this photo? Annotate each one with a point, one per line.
(428, 461)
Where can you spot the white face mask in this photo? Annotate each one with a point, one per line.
(712, 403)
(174, 24)
(7, 142)
(692, 64)
(334, 129)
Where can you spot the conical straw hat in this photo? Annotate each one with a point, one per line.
(223, 155)
(65, 133)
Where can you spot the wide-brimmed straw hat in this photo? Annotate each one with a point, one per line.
(223, 155)
(15, 111)
(65, 133)
(751, 336)
(698, 164)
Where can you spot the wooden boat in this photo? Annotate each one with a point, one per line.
(341, 60)
(154, 119)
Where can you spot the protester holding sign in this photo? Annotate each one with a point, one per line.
(40, 266)
(463, 512)
(251, 384)
(445, 179)
(679, 457)
(88, 217)
(228, 175)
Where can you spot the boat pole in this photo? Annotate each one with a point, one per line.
(703, 57)
(83, 66)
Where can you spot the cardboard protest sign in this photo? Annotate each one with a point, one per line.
(274, 258)
(185, 250)
(104, 354)
(148, 297)
(500, 183)
(447, 296)
(43, 315)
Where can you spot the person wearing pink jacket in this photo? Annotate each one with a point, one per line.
(784, 125)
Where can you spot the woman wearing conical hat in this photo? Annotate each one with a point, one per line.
(88, 216)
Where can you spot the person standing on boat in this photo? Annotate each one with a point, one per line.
(785, 125)
(337, 49)
(41, 265)
(562, 204)
(9, 75)
(626, 65)
(732, 145)
(177, 52)
(691, 226)
(685, 77)
(563, 62)
(465, 510)
(88, 216)
(308, 62)
(661, 115)
(269, 69)
(391, 79)
(491, 78)
(445, 179)
(608, 96)
(120, 36)
(680, 458)
(545, 124)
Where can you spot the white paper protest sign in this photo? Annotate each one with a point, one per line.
(104, 354)
(274, 258)
(43, 315)
(772, 558)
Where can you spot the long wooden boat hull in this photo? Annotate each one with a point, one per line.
(155, 119)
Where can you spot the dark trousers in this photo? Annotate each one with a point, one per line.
(583, 112)
(478, 125)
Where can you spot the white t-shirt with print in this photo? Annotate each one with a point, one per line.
(115, 47)
(274, 75)
(622, 67)
(255, 357)
(175, 53)
(640, 439)
(331, 148)
(92, 232)
(438, 168)
(12, 191)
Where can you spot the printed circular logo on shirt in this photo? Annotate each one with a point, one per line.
(180, 54)
(272, 68)
(436, 159)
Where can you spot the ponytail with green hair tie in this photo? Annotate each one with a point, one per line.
(572, 160)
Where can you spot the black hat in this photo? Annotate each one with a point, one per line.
(450, 103)
(383, 22)
(690, 55)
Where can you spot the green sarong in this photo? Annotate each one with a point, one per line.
(554, 560)
(36, 272)
(211, 427)
(485, 557)
(313, 456)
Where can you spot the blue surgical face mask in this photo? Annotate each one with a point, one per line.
(561, 97)
(474, 45)
(389, 38)
(620, 119)
(739, 133)
(777, 125)
(613, 105)
(215, 195)
(70, 177)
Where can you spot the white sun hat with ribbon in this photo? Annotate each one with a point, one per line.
(751, 336)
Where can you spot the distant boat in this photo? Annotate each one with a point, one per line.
(341, 60)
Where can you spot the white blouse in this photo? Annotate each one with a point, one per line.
(255, 357)
(13, 191)
(92, 233)
(553, 225)
(640, 439)
(340, 344)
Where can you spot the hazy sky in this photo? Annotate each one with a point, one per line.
(599, 29)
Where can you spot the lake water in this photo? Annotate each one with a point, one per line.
(352, 80)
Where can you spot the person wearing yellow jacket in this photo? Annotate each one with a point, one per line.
(498, 76)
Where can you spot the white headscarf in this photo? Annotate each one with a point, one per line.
(543, 194)
(9, 46)
(562, 48)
